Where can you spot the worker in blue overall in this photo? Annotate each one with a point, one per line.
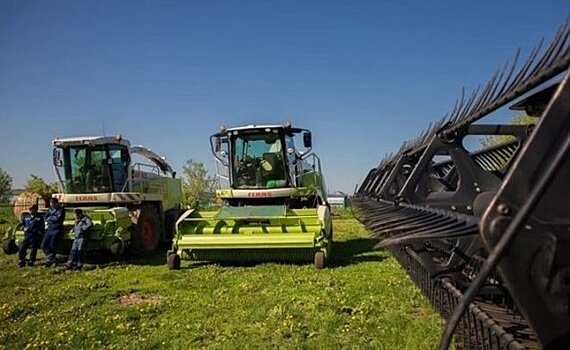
(82, 226)
(34, 228)
(54, 219)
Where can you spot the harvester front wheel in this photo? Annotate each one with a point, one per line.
(147, 235)
(9, 246)
(173, 262)
(320, 260)
(117, 248)
(330, 244)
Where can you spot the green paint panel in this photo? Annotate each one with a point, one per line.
(101, 235)
(234, 230)
(251, 212)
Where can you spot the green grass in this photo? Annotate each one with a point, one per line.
(364, 300)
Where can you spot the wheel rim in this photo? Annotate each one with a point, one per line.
(320, 260)
(173, 261)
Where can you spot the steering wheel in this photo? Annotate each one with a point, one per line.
(247, 169)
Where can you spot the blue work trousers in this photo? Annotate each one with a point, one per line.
(50, 244)
(32, 242)
(77, 249)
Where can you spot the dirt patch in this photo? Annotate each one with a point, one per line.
(135, 299)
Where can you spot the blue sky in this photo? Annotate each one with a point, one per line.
(363, 76)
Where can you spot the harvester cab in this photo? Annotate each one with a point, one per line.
(132, 204)
(274, 201)
(103, 165)
(263, 158)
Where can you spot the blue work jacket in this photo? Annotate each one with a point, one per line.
(54, 218)
(82, 225)
(33, 225)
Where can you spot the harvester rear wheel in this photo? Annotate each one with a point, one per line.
(9, 246)
(320, 260)
(147, 235)
(173, 262)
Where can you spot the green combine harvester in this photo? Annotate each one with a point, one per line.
(274, 205)
(132, 205)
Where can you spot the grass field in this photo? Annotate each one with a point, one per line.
(364, 300)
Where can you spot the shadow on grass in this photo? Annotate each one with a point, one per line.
(354, 251)
(104, 259)
(101, 259)
(344, 253)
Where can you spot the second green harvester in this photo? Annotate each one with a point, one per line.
(274, 202)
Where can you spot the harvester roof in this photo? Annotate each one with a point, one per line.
(90, 141)
(287, 128)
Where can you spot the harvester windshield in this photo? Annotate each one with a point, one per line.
(94, 169)
(258, 160)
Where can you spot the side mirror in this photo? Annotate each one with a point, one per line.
(57, 157)
(125, 158)
(307, 140)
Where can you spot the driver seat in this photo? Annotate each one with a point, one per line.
(272, 166)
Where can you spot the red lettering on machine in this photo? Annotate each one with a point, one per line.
(86, 198)
(257, 194)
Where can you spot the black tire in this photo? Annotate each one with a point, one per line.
(146, 237)
(117, 249)
(320, 260)
(9, 246)
(173, 262)
(330, 245)
(170, 219)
